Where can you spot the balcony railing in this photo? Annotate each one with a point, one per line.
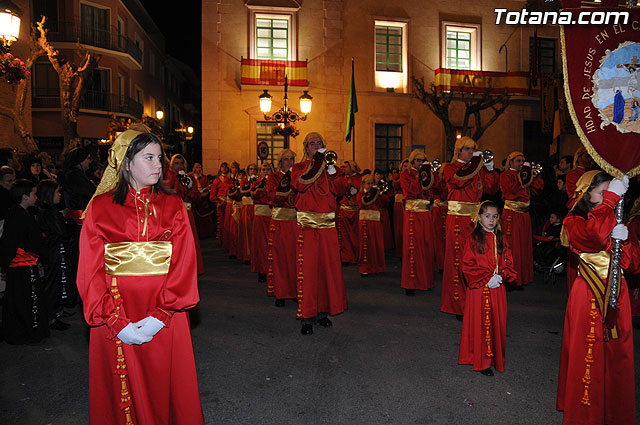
(511, 83)
(73, 31)
(94, 100)
(272, 72)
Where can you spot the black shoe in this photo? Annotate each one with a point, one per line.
(59, 326)
(247, 262)
(364, 274)
(307, 329)
(459, 317)
(262, 277)
(66, 314)
(279, 302)
(410, 292)
(325, 322)
(487, 372)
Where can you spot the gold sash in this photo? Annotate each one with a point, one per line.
(283, 214)
(517, 206)
(150, 258)
(595, 269)
(371, 215)
(348, 207)
(399, 197)
(261, 209)
(462, 208)
(417, 205)
(316, 220)
(440, 203)
(247, 201)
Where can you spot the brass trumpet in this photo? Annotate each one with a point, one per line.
(536, 168)
(383, 187)
(331, 157)
(435, 165)
(184, 179)
(487, 155)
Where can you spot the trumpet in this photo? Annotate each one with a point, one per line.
(184, 179)
(435, 165)
(383, 187)
(536, 168)
(331, 157)
(487, 155)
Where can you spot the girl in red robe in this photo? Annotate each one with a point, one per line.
(137, 278)
(383, 202)
(371, 243)
(486, 265)
(596, 378)
(246, 214)
(218, 194)
(398, 208)
(261, 222)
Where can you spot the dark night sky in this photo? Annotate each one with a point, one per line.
(181, 25)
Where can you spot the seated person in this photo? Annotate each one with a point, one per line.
(547, 246)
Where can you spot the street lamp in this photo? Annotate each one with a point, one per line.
(9, 23)
(284, 117)
(159, 114)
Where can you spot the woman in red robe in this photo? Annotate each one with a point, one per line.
(398, 208)
(321, 289)
(235, 198)
(218, 194)
(439, 214)
(596, 378)
(281, 275)
(203, 209)
(228, 207)
(516, 221)
(246, 214)
(487, 265)
(467, 180)
(384, 200)
(137, 278)
(371, 256)
(348, 214)
(261, 222)
(418, 256)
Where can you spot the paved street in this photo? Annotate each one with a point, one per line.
(390, 359)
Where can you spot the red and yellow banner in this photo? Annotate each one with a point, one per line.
(272, 72)
(457, 80)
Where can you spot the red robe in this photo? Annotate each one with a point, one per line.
(418, 255)
(246, 221)
(320, 279)
(633, 280)
(187, 195)
(458, 228)
(218, 194)
(398, 216)
(161, 373)
(609, 388)
(281, 274)
(439, 214)
(572, 260)
(348, 223)
(485, 310)
(385, 219)
(516, 226)
(232, 221)
(371, 237)
(260, 230)
(202, 207)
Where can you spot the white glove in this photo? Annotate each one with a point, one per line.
(149, 326)
(489, 165)
(331, 169)
(527, 164)
(290, 168)
(495, 281)
(353, 190)
(477, 153)
(131, 335)
(619, 187)
(620, 232)
(322, 150)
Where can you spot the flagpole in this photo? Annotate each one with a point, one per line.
(353, 136)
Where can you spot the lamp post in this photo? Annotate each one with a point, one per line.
(9, 24)
(285, 116)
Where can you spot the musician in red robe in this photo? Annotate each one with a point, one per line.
(321, 290)
(348, 214)
(281, 275)
(218, 194)
(228, 209)
(261, 223)
(246, 214)
(137, 278)
(371, 235)
(596, 378)
(235, 198)
(439, 214)
(383, 202)
(418, 256)
(518, 183)
(467, 180)
(203, 209)
(398, 208)
(487, 265)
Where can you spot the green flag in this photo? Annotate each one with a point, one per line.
(353, 108)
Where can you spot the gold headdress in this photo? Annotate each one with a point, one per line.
(354, 166)
(463, 142)
(416, 153)
(583, 185)
(366, 178)
(309, 136)
(116, 156)
(512, 156)
(285, 153)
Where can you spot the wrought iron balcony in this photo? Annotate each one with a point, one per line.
(94, 100)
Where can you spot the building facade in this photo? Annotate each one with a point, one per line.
(243, 42)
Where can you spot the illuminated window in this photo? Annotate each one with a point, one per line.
(388, 48)
(272, 34)
(461, 46)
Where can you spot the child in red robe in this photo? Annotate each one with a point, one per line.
(371, 251)
(486, 265)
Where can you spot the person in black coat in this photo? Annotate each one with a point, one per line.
(24, 313)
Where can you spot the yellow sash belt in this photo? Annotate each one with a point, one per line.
(247, 201)
(440, 203)
(261, 209)
(150, 258)
(417, 205)
(517, 206)
(462, 208)
(371, 215)
(283, 214)
(348, 207)
(316, 220)
(399, 197)
(594, 268)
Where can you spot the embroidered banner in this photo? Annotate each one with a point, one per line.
(600, 65)
(457, 80)
(272, 72)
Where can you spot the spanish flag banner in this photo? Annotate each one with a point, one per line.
(458, 80)
(272, 72)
